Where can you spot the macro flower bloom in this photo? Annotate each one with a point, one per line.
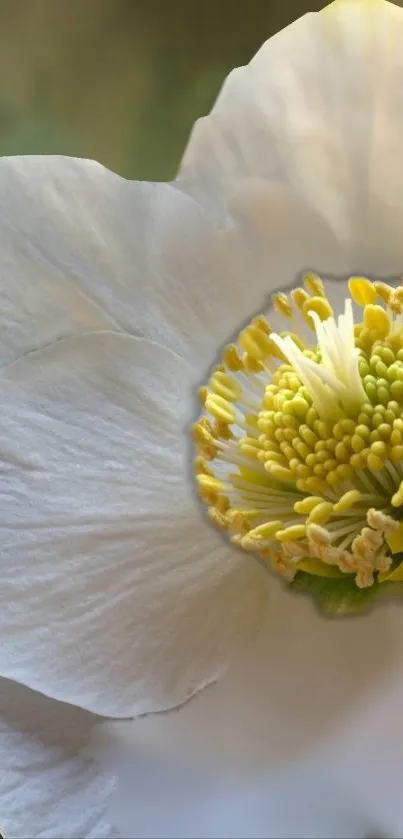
(122, 304)
(299, 447)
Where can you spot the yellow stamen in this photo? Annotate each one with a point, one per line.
(321, 513)
(265, 531)
(232, 359)
(282, 304)
(320, 305)
(377, 320)
(306, 506)
(362, 291)
(296, 435)
(291, 534)
(202, 395)
(220, 408)
(284, 475)
(353, 496)
(314, 284)
(225, 386)
(383, 290)
(397, 499)
(299, 297)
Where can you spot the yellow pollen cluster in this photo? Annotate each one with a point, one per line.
(299, 447)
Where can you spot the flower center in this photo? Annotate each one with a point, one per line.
(299, 448)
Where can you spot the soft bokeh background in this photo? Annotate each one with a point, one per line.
(122, 81)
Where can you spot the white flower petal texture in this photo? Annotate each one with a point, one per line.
(204, 801)
(318, 109)
(49, 784)
(115, 595)
(302, 678)
(84, 249)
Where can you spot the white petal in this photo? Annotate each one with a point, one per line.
(194, 801)
(115, 593)
(319, 109)
(145, 257)
(39, 303)
(366, 756)
(49, 785)
(281, 701)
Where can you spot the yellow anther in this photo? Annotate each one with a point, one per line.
(299, 406)
(221, 430)
(321, 428)
(292, 534)
(201, 467)
(379, 448)
(223, 504)
(344, 471)
(244, 513)
(276, 457)
(210, 483)
(252, 364)
(357, 443)
(209, 488)
(396, 390)
(262, 323)
(225, 386)
(280, 472)
(321, 513)
(374, 462)
(313, 284)
(357, 461)
(353, 496)
(265, 531)
(332, 478)
(314, 484)
(302, 471)
(248, 442)
(255, 342)
(396, 453)
(320, 305)
(395, 305)
(396, 437)
(220, 408)
(397, 499)
(257, 454)
(362, 291)
(302, 449)
(202, 394)
(238, 521)
(383, 290)
(308, 504)
(318, 534)
(341, 452)
(217, 518)
(202, 433)
(282, 304)
(377, 320)
(384, 429)
(232, 359)
(382, 522)
(308, 435)
(299, 296)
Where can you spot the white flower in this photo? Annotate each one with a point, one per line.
(115, 300)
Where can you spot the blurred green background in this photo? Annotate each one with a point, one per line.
(122, 81)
